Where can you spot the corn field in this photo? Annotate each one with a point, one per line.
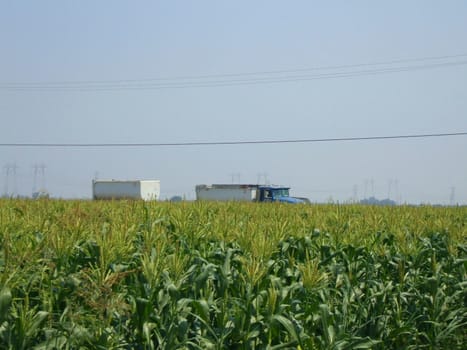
(135, 275)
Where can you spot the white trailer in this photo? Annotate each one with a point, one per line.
(126, 189)
(247, 193)
(226, 192)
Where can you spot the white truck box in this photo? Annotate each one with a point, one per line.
(226, 192)
(126, 189)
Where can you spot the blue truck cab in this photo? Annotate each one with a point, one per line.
(276, 194)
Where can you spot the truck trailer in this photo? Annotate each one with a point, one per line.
(126, 189)
(246, 193)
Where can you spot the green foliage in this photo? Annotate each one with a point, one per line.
(134, 275)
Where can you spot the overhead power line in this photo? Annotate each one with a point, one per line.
(224, 143)
(195, 77)
(249, 78)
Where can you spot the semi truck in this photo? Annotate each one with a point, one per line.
(126, 189)
(246, 193)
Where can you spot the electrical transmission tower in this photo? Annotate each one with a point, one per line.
(452, 197)
(397, 196)
(39, 171)
(235, 176)
(265, 176)
(390, 182)
(355, 193)
(10, 176)
(6, 169)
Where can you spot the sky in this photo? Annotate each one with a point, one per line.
(80, 72)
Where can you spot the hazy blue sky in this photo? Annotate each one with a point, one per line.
(46, 42)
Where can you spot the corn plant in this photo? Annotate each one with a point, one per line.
(134, 275)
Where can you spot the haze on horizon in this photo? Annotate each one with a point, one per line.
(213, 71)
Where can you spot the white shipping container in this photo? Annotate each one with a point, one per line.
(126, 189)
(226, 192)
